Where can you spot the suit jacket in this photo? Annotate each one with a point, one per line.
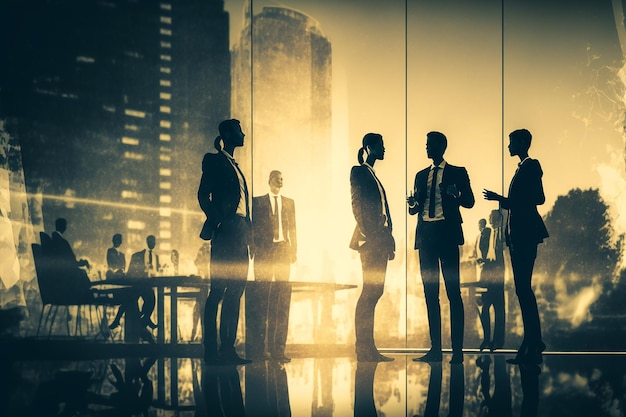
(262, 223)
(62, 251)
(219, 192)
(482, 244)
(368, 210)
(524, 224)
(116, 260)
(452, 175)
(137, 267)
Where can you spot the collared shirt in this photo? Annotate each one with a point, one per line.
(241, 207)
(438, 205)
(278, 210)
(380, 191)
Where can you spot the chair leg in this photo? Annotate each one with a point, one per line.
(43, 307)
(52, 319)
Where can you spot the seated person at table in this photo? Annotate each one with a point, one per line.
(144, 264)
(66, 267)
(116, 265)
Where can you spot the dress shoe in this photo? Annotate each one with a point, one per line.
(457, 358)
(431, 356)
(528, 355)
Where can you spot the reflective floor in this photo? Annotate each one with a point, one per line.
(485, 385)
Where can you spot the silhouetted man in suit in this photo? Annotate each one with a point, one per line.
(67, 268)
(523, 232)
(275, 245)
(492, 279)
(144, 264)
(116, 268)
(116, 260)
(223, 196)
(439, 191)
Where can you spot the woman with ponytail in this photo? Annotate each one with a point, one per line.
(223, 196)
(373, 239)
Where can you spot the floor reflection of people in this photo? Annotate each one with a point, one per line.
(524, 231)
(364, 405)
(498, 404)
(529, 374)
(373, 239)
(457, 390)
(221, 387)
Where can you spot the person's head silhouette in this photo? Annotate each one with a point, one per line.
(436, 144)
(60, 225)
(117, 240)
(151, 242)
(373, 146)
(230, 135)
(519, 142)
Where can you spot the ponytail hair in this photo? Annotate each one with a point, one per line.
(368, 140)
(217, 143)
(359, 155)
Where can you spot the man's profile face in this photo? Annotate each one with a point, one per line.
(434, 148)
(276, 180)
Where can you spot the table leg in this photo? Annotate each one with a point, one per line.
(174, 315)
(160, 315)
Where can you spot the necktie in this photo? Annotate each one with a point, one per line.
(275, 218)
(150, 259)
(433, 188)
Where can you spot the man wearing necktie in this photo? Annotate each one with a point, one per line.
(223, 196)
(492, 278)
(267, 310)
(439, 191)
(144, 264)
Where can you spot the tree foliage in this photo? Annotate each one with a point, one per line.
(582, 241)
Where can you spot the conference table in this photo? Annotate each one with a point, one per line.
(184, 287)
(194, 287)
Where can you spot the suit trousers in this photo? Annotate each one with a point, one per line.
(439, 253)
(229, 271)
(268, 305)
(374, 264)
(523, 256)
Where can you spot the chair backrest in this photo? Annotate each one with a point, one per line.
(58, 286)
(46, 242)
(42, 267)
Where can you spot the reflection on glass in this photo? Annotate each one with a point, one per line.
(364, 405)
(530, 388)
(498, 403)
(222, 391)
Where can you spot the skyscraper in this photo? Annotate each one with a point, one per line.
(109, 101)
(282, 94)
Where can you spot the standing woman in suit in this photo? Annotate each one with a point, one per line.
(523, 232)
(373, 240)
(223, 196)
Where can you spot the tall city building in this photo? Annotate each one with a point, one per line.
(110, 101)
(281, 69)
